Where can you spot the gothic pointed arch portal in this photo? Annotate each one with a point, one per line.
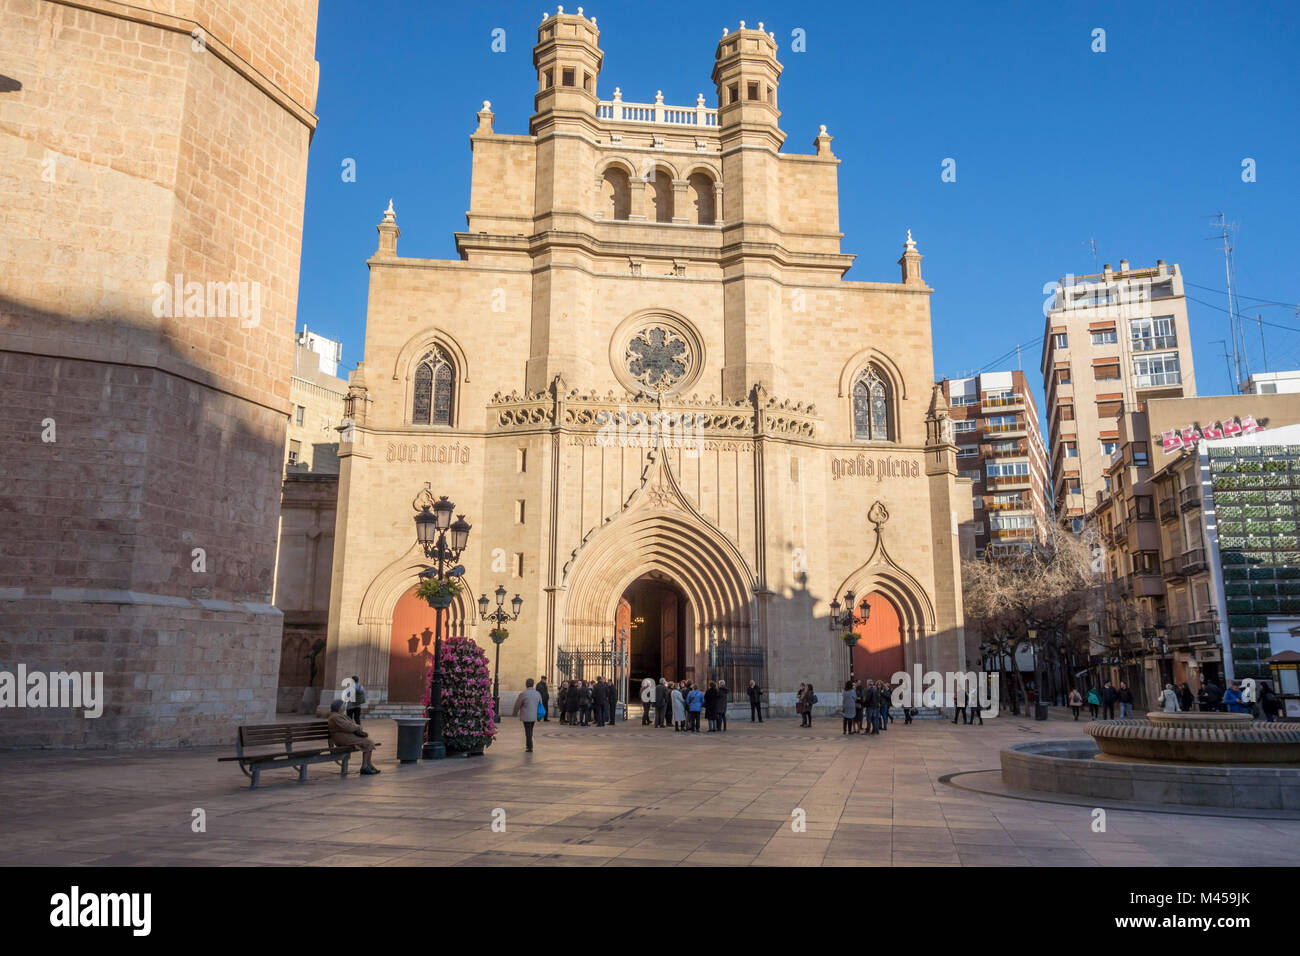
(902, 615)
(659, 536)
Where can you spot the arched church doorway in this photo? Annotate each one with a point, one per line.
(657, 629)
(879, 651)
(410, 651)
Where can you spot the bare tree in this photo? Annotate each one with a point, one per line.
(1031, 596)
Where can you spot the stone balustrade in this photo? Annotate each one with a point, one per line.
(617, 111)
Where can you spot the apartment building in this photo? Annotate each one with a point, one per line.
(1173, 563)
(1000, 449)
(316, 396)
(1112, 341)
(1273, 383)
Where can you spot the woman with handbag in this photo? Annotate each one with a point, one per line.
(798, 703)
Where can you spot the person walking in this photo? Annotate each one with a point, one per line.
(357, 702)
(849, 710)
(1125, 698)
(527, 706)
(1169, 700)
(755, 695)
(809, 698)
(1186, 698)
(1094, 702)
(959, 702)
(544, 691)
(798, 703)
(1076, 701)
(679, 707)
(975, 711)
(722, 705)
(1108, 698)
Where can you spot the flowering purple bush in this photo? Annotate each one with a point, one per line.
(468, 719)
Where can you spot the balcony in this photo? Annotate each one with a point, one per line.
(1189, 498)
(1021, 503)
(1015, 430)
(1151, 343)
(1193, 561)
(1013, 534)
(1146, 583)
(1173, 567)
(1203, 632)
(1168, 509)
(1008, 483)
(1009, 402)
(1005, 449)
(1158, 380)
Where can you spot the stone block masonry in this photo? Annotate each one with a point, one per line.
(140, 491)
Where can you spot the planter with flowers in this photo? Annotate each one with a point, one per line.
(439, 593)
(468, 717)
(498, 634)
(849, 638)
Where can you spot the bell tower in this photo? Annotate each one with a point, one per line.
(746, 73)
(567, 57)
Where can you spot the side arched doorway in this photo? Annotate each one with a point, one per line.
(410, 650)
(879, 651)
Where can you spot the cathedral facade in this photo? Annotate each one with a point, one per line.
(677, 432)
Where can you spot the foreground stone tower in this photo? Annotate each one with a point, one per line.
(153, 162)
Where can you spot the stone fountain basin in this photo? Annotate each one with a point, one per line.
(1228, 739)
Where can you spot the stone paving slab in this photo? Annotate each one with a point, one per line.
(613, 796)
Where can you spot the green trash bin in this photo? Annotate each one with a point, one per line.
(410, 738)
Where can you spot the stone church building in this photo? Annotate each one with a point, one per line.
(676, 430)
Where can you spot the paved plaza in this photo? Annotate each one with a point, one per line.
(622, 796)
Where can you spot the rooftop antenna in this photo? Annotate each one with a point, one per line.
(1240, 364)
(1259, 320)
(1096, 262)
(1226, 357)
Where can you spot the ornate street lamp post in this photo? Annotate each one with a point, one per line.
(442, 539)
(499, 617)
(846, 621)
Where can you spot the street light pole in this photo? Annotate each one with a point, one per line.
(500, 616)
(431, 531)
(846, 620)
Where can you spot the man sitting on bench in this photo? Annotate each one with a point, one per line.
(344, 732)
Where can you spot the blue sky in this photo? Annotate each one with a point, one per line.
(1054, 145)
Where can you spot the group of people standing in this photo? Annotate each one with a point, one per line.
(579, 703)
(681, 704)
(864, 707)
(1251, 698)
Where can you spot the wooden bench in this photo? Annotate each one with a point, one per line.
(287, 745)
